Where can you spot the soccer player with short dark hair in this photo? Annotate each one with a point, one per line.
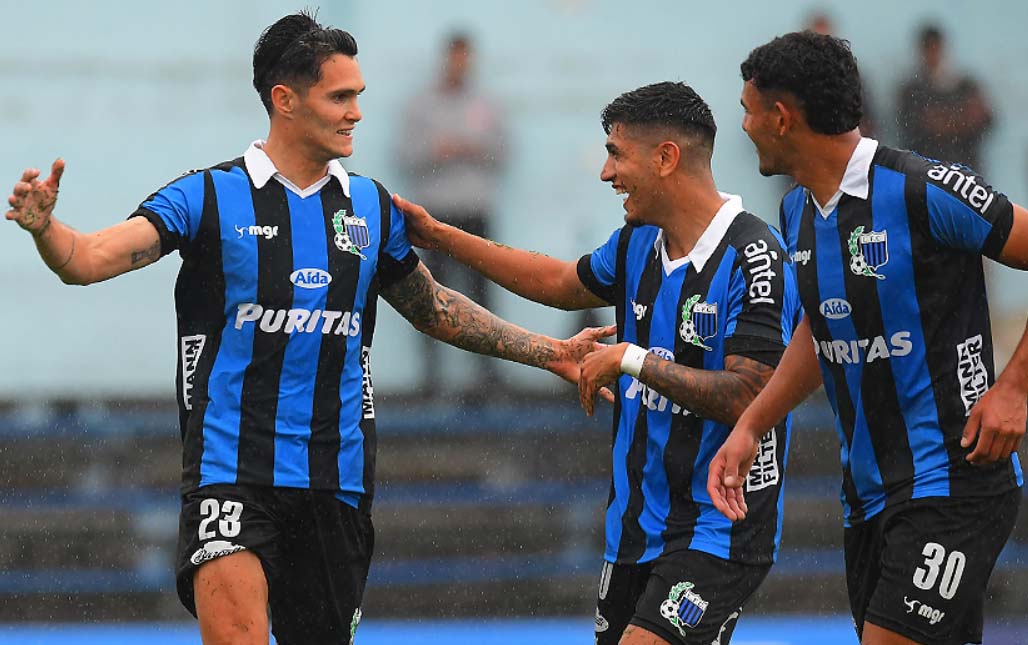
(705, 301)
(888, 248)
(284, 256)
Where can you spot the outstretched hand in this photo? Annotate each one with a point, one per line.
(727, 474)
(32, 201)
(420, 225)
(568, 364)
(599, 369)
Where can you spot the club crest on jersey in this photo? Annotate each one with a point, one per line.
(868, 252)
(351, 233)
(683, 607)
(699, 322)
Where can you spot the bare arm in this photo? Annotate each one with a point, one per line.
(452, 318)
(79, 258)
(531, 275)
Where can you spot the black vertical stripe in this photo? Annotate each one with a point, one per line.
(620, 306)
(879, 402)
(633, 539)
(259, 401)
(200, 305)
(810, 297)
(323, 450)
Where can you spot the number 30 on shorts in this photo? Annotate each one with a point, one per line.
(228, 525)
(926, 576)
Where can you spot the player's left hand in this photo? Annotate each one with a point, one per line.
(599, 369)
(567, 365)
(422, 228)
(998, 422)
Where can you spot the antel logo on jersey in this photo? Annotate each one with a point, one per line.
(759, 258)
(267, 232)
(953, 177)
(310, 278)
(836, 308)
(299, 320)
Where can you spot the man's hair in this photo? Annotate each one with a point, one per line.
(291, 51)
(930, 34)
(670, 106)
(820, 71)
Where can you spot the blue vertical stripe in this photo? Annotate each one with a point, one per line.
(225, 385)
(713, 530)
(844, 453)
(901, 313)
(364, 197)
(640, 245)
(299, 365)
(655, 489)
(859, 454)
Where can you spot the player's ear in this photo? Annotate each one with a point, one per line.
(785, 114)
(668, 157)
(283, 100)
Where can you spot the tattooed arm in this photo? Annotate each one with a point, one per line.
(78, 258)
(721, 395)
(451, 317)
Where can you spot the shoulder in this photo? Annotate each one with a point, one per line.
(750, 235)
(950, 180)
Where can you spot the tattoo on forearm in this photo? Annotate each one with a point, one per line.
(721, 395)
(451, 317)
(148, 254)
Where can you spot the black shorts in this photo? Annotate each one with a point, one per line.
(687, 597)
(315, 551)
(920, 568)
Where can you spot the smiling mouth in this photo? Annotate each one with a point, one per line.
(348, 132)
(620, 190)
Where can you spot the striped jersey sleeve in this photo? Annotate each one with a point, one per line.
(175, 211)
(598, 270)
(396, 258)
(965, 212)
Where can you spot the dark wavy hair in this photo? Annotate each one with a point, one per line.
(820, 71)
(671, 105)
(291, 51)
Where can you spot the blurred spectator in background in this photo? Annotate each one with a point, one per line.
(943, 114)
(820, 22)
(452, 150)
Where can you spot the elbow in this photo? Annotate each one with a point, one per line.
(75, 279)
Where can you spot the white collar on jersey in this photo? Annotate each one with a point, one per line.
(711, 237)
(261, 168)
(854, 181)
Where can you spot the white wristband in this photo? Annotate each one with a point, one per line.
(632, 360)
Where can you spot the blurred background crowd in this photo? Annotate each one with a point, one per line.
(493, 483)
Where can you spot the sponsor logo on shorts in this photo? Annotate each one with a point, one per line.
(929, 613)
(215, 549)
(683, 607)
(971, 372)
(310, 278)
(864, 350)
(299, 320)
(267, 232)
(601, 623)
(835, 308)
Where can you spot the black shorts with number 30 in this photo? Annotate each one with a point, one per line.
(920, 568)
(314, 548)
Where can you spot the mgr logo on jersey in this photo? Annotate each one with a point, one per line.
(683, 607)
(351, 233)
(699, 322)
(868, 252)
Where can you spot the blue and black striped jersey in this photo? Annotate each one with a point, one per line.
(734, 294)
(276, 302)
(894, 289)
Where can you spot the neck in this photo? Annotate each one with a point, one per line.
(694, 206)
(822, 163)
(293, 161)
